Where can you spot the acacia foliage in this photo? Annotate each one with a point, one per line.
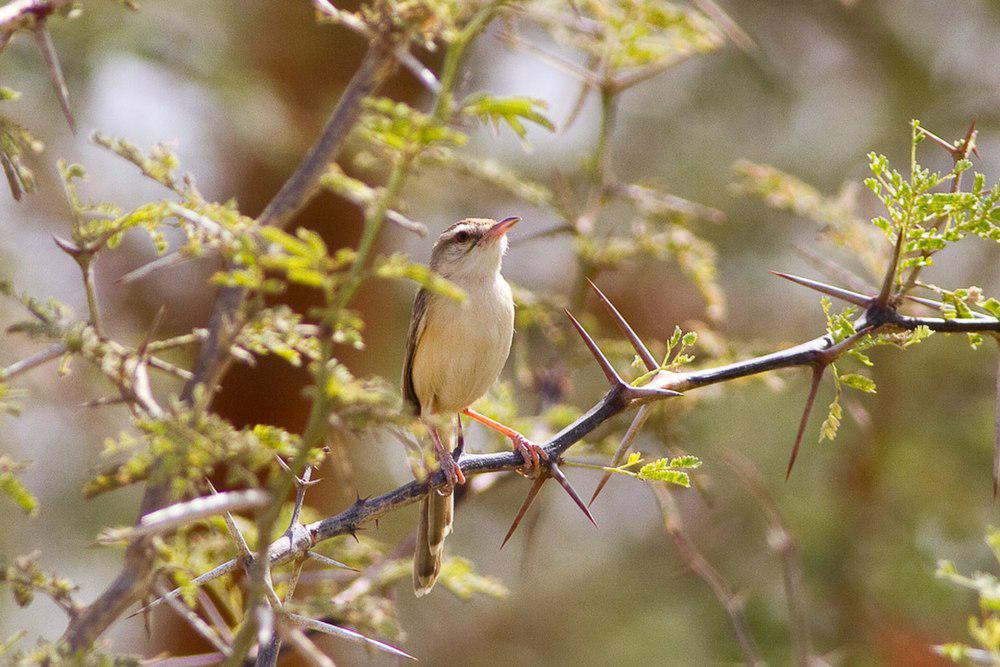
(185, 442)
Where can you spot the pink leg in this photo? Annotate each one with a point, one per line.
(530, 452)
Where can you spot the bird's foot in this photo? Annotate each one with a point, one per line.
(530, 452)
(452, 472)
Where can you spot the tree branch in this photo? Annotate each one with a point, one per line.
(619, 398)
(137, 569)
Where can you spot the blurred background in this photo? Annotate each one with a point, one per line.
(241, 90)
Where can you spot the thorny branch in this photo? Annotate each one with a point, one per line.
(619, 398)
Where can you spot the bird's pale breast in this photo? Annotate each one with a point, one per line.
(463, 346)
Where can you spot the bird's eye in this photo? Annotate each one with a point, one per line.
(462, 236)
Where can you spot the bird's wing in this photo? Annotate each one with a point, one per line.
(417, 325)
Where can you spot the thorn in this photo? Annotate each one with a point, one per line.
(885, 293)
(969, 141)
(67, 246)
(609, 371)
(564, 483)
(813, 388)
(647, 394)
(153, 328)
(640, 348)
(103, 401)
(326, 560)
(234, 531)
(532, 492)
(836, 292)
(44, 41)
(936, 305)
(173, 259)
(13, 178)
(630, 435)
(939, 141)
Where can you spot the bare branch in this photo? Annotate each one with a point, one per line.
(35, 360)
(820, 350)
(782, 542)
(704, 570)
(179, 514)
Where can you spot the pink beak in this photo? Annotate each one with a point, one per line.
(501, 228)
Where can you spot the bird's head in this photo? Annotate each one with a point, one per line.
(471, 248)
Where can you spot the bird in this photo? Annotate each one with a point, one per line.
(455, 351)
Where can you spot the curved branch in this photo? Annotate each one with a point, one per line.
(616, 401)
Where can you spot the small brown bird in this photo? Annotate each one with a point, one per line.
(454, 353)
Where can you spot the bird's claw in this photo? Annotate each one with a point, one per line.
(531, 453)
(452, 472)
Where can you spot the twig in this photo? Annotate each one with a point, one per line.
(37, 359)
(213, 357)
(783, 543)
(195, 621)
(179, 514)
(701, 567)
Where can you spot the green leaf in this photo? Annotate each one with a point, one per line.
(828, 430)
(686, 461)
(859, 382)
(458, 576)
(12, 487)
(992, 306)
(662, 471)
(497, 111)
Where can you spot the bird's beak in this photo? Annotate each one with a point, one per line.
(501, 228)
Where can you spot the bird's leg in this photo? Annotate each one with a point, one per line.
(459, 437)
(447, 462)
(530, 452)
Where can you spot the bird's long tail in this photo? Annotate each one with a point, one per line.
(436, 514)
